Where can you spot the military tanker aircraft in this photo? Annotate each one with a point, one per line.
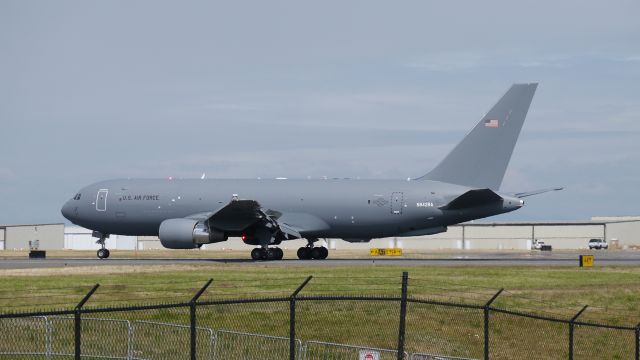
(187, 213)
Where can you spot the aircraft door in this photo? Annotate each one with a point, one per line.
(101, 200)
(397, 202)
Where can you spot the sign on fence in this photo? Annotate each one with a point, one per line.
(369, 355)
(385, 251)
(320, 350)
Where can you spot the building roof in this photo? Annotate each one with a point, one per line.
(596, 220)
(22, 225)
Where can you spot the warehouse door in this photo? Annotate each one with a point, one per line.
(101, 200)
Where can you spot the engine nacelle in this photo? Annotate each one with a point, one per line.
(187, 234)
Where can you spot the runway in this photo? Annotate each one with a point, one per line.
(608, 258)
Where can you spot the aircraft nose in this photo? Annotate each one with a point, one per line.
(67, 210)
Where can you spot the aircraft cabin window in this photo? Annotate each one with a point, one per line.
(77, 197)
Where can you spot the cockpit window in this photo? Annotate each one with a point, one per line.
(77, 197)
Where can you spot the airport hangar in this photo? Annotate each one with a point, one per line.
(622, 232)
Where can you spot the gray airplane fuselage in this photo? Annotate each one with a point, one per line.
(186, 214)
(345, 208)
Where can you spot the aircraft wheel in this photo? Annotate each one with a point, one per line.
(324, 252)
(103, 253)
(256, 254)
(304, 253)
(315, 253)
(278, 254)
(108, 253)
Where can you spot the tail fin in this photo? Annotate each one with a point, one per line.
(481, 158)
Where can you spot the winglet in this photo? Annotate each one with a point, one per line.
(481, 158)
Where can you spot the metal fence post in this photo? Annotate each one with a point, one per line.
(292, 318)
(77, 321)
(129, 340)
(638, 341)
(487, 308)
(571, 326)
(192, 317)
(48, 338)
(403, 315)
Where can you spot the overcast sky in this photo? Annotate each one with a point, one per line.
(95, 90)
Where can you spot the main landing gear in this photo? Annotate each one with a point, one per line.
(309, 252)
(103, 253)
(267, 253)
(264, 252)
(318, 253)
(264, 237)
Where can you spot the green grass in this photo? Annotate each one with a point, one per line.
(613, 294)
(610, 291)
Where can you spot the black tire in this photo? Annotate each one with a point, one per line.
(324, 252)
(108, 253)
(101, 254)
(303, 253)
(256, 254)
(279, 254)
(316, 253)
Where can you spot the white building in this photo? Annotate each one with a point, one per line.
(17, 237)
(79, 238)
(620, 231)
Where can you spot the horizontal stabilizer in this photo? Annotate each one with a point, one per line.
(473, 198)
(536, 192)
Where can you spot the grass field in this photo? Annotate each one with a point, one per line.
(613, 294)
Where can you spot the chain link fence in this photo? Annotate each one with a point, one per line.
(311, 325)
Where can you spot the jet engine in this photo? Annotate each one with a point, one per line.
(187, 234)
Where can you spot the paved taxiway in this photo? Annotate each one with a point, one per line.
(604, 258)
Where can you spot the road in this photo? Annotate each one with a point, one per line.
(604, 258)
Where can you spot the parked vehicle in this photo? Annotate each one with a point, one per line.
(598, 244)
(538, 244)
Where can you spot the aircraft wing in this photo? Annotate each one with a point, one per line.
(302, 222)
(238, 215)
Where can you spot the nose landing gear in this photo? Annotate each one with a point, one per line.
(103, 253)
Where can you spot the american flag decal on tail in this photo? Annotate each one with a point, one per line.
(491, 123)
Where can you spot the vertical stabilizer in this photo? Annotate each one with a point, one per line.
(481, 158)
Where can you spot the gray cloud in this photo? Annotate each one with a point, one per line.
(6, 173)
(286, 88)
